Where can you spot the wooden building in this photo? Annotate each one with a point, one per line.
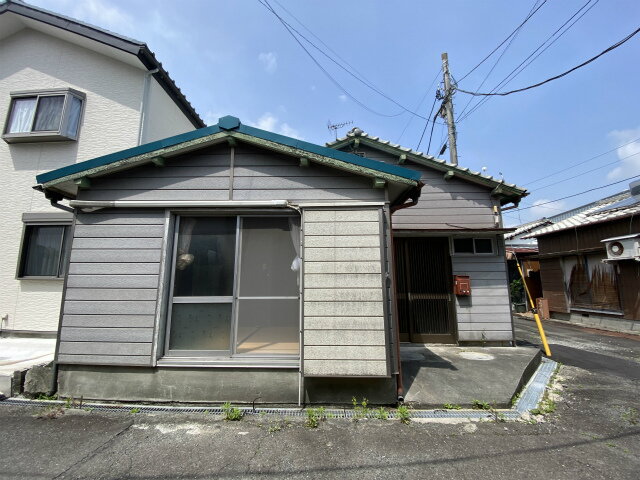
(583, 282)
(455, 228)
(230, 263)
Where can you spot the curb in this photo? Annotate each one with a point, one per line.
(529, 399)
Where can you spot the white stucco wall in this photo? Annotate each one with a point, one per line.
(162, 117)
(31, 60)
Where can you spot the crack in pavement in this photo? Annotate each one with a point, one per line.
(94, 452)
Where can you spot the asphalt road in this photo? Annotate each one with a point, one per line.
(593, 434)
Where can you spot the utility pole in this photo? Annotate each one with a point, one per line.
(448, 110)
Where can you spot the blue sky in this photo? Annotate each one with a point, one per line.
(235, 57)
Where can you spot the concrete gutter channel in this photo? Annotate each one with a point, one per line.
(529, 398)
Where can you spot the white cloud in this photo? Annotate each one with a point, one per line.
(548, 209)
(343, 98)
(285, 129)
(103, 14)
(269, 61)
(267, 122)
(628, 166)
(270, 122)
(211, 117)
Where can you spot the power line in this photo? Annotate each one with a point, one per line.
(583, 162)
(589, 171)
(504, 41)
(265, 3)
(433, 123)
(556, 77)
(515, 34)
(320, 40)
(419, 105)
(365, 82)
(520, 68)
(581, 193)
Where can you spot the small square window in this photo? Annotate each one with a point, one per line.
(463, 245)
(43, 251)
(473, 246)
(44, 116)
(483, 245)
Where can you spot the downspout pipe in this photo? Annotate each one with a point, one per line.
(399, 383)
(54, 198)
(414, 195)
(145, 101)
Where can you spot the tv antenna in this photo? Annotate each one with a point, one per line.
(336, 126)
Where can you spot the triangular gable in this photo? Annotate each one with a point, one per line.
(508, 192)
(229, 129)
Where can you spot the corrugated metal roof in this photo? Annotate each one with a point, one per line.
(527, 227)
(426, 159)
(597, 213)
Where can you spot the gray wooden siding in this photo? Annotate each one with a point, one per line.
(112, 288)
(443, 204)
(486, 314)
(110, 302)
(254, 174)
(344, 311)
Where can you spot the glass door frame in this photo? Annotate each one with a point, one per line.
(231, 353)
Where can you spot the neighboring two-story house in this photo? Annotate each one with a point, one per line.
(68, 92)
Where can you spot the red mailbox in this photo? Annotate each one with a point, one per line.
(462, 285)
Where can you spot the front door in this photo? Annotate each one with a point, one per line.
(425, 290)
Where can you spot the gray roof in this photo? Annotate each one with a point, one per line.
(607, 209)
(119, 42)
(419, 157)
(527, 227)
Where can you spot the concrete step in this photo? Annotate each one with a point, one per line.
(5, 385)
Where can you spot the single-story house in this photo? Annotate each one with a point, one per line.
(231, 263)
(454, 229)
(590, 262)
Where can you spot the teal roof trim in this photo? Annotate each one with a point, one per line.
(128, 153)
(228, 123)
(331, 153)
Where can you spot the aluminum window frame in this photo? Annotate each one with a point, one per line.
(494, 250)
(60, 134)
(231, 354)
(63, 250)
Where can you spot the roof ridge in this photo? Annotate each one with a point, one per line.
(357, 132)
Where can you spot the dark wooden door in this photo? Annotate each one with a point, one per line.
(425, 290)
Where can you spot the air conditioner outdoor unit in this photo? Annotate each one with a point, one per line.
(626, 247)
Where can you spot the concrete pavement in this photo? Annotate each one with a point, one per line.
(594, 433)
(434, 374)
(17, 353)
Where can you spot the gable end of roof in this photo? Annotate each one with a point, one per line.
(111, 39)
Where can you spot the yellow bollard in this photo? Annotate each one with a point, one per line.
(543, 337)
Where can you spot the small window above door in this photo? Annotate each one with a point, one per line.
(473, 246)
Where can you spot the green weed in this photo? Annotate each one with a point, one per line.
(381, 413)
(478, 405)
(403, 413)
(315, 416)
(451, 406)
(231, 413)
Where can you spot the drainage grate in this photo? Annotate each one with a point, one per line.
(531, 395)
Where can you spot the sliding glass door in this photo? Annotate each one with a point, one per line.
(235, 287)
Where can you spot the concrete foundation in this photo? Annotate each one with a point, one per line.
(193, 385)
(200, 385)
(340, 391)
(595, 320)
